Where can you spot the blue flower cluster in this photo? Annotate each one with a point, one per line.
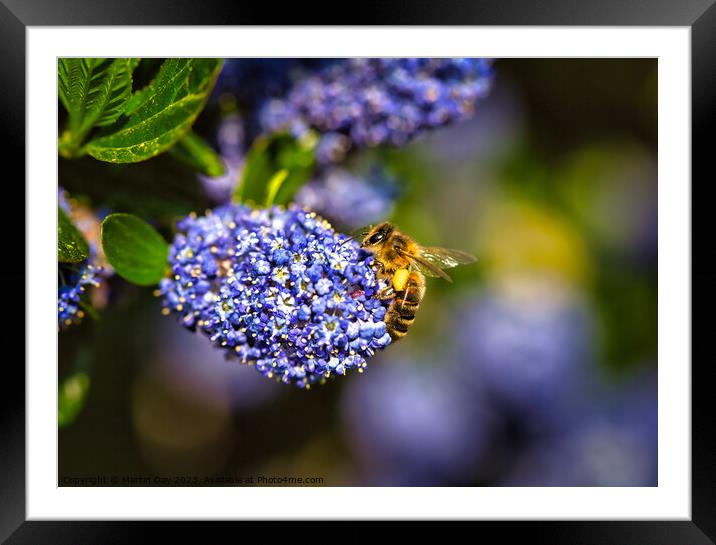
(75, 278)
(278, 289)
(245, 84)
(251, 80)
(613, 441)
(344, 198)
(542, 334)
(73, 283)
(417, 423)
(371, 102)
(348, 200)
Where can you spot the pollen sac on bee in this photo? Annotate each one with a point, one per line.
(400, 279)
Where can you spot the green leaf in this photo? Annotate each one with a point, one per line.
(136, 100)
(71, 397)
(169, 83)
(95, 93)
(161, 188)
(274, 185)
(163, 113)
(134, 248)
(268, 156)
(71, 245)
(194, 151)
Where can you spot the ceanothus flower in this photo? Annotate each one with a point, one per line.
(412, 423)
(245, 84)
(73, 283)
(529, 345)
(251, 80)
(612, 442)
(278, 289)
(372, 102)
(75, 279)
(347, 199)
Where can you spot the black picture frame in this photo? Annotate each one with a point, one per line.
(16, 15)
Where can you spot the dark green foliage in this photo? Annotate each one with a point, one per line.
(71, 245)
(194, 151)
(165, 113)
(269, 156)
(134, 248)
(97, 94)
(94, 92)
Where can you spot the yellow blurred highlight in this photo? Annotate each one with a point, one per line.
(521, 238)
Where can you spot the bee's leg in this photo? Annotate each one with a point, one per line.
(405, 297)
(386, 293)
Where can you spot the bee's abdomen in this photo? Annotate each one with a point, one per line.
(401, 313)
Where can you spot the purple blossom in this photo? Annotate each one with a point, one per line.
(411, 423)
(190, 360)
(76, 279)
(531, 352)
(278, 289)
(349, 200)
(612, 443)
(370, 102)
(252, 80)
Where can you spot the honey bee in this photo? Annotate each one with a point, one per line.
(405, 264)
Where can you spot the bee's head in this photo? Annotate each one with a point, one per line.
(378, 235)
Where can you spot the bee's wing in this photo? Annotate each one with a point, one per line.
(426, 267)
(432, 261)
(361, 231)
(445, 258)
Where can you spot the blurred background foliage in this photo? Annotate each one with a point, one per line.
(536, 367)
